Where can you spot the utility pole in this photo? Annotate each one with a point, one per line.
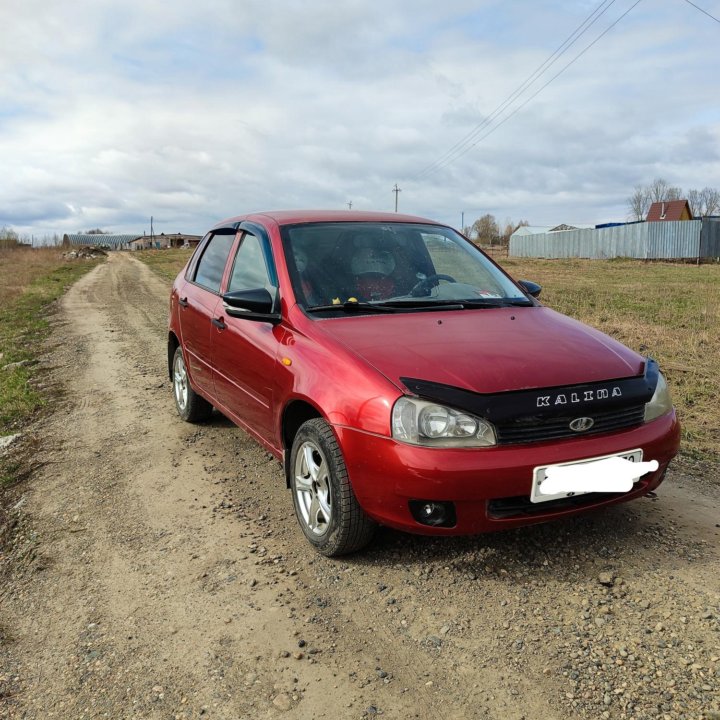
(462, 222)
(152, 233)
(349, 204)
(396, 190)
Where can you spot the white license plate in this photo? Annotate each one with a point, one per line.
(539, 475)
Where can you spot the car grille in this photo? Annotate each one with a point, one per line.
(538, 429)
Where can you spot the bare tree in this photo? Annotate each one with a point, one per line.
(487, 229)
(639, 202)
(710, 198)
(695, 202)
(658, 190)
(507, 232)
(704, 202)
(510, 227)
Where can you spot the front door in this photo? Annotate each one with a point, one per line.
(245, 351)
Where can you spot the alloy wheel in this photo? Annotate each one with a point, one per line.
(180, 382)
(312, 488)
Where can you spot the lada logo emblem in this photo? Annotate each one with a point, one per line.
(581, 424)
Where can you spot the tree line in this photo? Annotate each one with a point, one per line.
(702, 202)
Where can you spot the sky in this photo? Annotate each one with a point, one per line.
(113, 111)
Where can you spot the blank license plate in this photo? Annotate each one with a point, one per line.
(539, 475)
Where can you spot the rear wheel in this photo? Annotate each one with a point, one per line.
(325, 505)
(191, 407)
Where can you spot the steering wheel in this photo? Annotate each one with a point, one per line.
(427, 284)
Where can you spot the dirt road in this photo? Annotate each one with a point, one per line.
(160, 574)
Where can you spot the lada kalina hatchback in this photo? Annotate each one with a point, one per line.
(404, 379)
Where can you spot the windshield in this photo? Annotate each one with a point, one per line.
(391, 264)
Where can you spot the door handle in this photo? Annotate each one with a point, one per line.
(218, 323)
(183, 302)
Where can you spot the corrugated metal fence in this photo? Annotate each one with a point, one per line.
(710, 239)
(108, 241)
(647, 241)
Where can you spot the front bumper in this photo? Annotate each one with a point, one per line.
(489, 486)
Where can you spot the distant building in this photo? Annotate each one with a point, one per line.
(161, 241)
(131, 241)
(669, 210)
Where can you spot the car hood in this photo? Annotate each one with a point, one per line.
(485, 350)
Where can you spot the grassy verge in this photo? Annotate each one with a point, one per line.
(668, 310)
(30, 280)
(166, 263)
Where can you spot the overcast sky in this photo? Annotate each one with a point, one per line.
(115, 110)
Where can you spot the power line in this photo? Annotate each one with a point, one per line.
(575, 35)
(702, 11)
(465, 150)
(520, 107)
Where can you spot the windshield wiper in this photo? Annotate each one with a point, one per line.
(463, 304)
(420, 304)
(352, 307)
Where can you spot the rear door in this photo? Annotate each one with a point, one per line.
(245, 351)
(198, 301)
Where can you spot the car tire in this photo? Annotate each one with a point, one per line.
(325, 505)
(191, 407)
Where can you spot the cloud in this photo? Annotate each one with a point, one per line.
(111, 112)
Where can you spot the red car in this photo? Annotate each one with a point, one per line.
(404, 379)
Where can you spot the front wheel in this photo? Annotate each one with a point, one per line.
(191, 407)
(325, 504)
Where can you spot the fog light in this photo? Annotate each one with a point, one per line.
(435, 513)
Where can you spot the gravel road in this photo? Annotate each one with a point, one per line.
(157, 571)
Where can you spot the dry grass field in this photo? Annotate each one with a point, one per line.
(20, 267)
(30, 280)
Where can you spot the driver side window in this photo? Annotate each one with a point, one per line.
(250, 270)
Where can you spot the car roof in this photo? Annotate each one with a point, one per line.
(295, 217)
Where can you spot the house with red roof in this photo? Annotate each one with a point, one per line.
(669, 210)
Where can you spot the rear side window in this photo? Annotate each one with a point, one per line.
(212, 263)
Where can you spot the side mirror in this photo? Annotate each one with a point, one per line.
(532, 289)
(254, 304)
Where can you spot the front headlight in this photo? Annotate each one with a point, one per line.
(660, 403)
(420, 422)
